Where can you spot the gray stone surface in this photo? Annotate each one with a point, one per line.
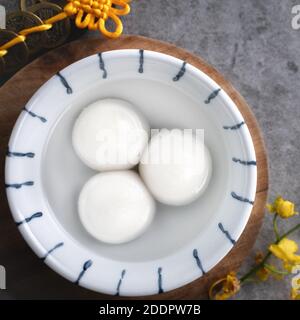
(253, 44)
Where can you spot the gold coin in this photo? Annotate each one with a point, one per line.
(60, 3)
(76, 32)
(17, 55)
(20, 20)
(60, 31)
(25, 4)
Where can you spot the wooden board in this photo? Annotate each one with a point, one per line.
(27, 276)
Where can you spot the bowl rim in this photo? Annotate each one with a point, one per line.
(46, 254)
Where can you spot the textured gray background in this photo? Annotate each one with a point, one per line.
(253, 44)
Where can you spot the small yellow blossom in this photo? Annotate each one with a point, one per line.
(288, 266)
(262, 273)
(230, 285)
(259, 257)
(295, 294)
(284, 208)
(285, 250)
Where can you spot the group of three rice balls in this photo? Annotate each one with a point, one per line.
(117, 205)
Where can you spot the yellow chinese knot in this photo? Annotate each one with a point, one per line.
(91, 14)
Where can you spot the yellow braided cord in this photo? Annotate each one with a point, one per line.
(56, 18)
(91, 14)
(11, 43)
(43, 27)
(3, 53)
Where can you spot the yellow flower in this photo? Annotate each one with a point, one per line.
(285, 250)
(259, 257)
(284, 208)
(295, 294)
(262, 273)
(230, 285)
(288, 266)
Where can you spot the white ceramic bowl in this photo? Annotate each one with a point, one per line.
(44, 176)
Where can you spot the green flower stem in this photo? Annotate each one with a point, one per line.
(275, 227)
(274, 270)
(297, 226)
(252, 280)
(252, 271)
